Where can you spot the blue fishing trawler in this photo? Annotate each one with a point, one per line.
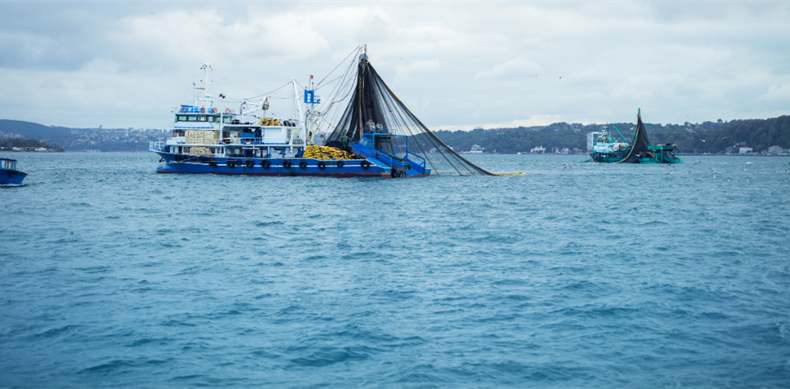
(8, 173)
(207, 139)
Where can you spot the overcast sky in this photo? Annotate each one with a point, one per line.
(457, 65)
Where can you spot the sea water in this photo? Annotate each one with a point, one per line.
(572, 275)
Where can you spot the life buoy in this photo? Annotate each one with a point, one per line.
(340, 163)
(202, 110)
(287, 164)
(184, 110)
(303, 165)
(231, 163)
(365, 164)
(227, 110)
(214, 110)
(265, 164)
(322, 164)
(250, 163)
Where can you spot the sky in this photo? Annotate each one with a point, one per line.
(456, 65)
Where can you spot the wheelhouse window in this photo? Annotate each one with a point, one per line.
(228, 119)
(181, 118)
(201, 118)
(191, 118)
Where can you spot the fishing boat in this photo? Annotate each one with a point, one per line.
(208, 139)
(8, 173)
(606, 148)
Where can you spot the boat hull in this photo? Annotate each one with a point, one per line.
(272, 167)
(655, 159)
(11, 177)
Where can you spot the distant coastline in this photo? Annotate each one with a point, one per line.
(736, 137)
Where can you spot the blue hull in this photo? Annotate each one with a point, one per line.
(11, 177)
(273, 167)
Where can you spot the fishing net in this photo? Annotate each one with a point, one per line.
(639, 146)
(374, 108)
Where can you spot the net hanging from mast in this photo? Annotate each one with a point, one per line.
(639, 146)
(373, 107)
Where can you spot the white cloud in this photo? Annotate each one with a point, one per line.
(516, 68)
(777, 93)
(456, 65)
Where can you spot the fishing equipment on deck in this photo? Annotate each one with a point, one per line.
(376, 116)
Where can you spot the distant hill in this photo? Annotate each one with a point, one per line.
(10, 144)
(79, 139)
(31, 130)
(759, 134)
(710, 137)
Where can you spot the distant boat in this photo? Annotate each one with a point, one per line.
(607, 149)
(476, 149)
(8, 173)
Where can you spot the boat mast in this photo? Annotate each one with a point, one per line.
(299, 107)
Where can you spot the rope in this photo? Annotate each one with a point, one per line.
(92, 167)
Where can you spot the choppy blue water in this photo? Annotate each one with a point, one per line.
(583, 276)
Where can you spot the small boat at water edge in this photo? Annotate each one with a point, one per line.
(8, 173)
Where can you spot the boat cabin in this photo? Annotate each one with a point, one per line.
(7, 164)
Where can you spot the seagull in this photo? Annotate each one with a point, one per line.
(696, 163)
(566, 166)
